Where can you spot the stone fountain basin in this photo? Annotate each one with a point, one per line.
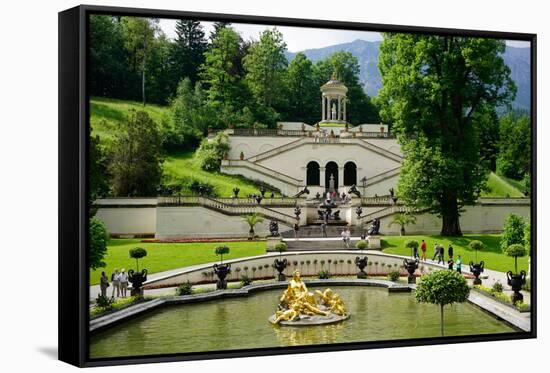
(312, 320)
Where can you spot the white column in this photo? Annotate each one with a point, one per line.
(324, 108)
(322, 178)
(340, 179)
(339, 112)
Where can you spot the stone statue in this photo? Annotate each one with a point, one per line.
(274, 228)
(374, 228)
(353, 190)
(303, 191)
(333, 112)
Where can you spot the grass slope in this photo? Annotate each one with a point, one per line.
(182, 169)
(165, 256)
(498, 186)
(492, 255)
(106, 113)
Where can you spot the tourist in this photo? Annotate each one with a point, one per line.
(436, 251)
(459, 264)
(104, 284)
(115, 279)
(415, 252)
(324, 229)
(440, 254)
(423, 248)
(123, 282)
(363, 236)
(296, 230)
(450, 264)
(450, 251)
(346, 237)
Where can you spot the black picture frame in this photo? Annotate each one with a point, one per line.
(73, 110)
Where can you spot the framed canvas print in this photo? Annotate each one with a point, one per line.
(236, 186)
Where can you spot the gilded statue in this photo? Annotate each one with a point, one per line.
(297, 302)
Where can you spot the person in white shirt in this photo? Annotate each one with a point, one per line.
(123, 277)
(345, 237)
(115, 279)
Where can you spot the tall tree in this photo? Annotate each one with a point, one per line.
(136, 157)
(217, 27)
(107, 57)
(303, 91)
(432, 88)
(188, 50)
(360, 108)
(265, 66)
(486, 122)
(221, 73)
(514, 158)
(139, 35)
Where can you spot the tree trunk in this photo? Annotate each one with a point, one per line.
(442, 322)
(449, 214)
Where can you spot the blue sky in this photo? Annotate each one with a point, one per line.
(299, 38)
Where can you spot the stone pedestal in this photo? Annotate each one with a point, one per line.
(374, 242)
(272, 241)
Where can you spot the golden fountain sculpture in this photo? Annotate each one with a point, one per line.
(297, 306)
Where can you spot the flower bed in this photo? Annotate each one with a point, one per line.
(502, 298)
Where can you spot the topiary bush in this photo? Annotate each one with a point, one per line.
(323, 274)
(361, 245)
(442, 287)
(515, 250)
(184, 289)
(137, 253)
(393, 276)
(221, 251)
(245, 280)
(513, 231)
(98, 243)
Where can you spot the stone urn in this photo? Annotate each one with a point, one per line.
(411, 265)
(137, 279)
(280, 265)
(222, 270)
(477, 269)
(361, 263)
(516, 282)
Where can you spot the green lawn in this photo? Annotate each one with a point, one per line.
(165, 256)
(332, 124)
(498, 186)
(491, 255)
(182, 169)
(106, 113)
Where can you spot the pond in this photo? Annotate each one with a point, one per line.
(241, 323)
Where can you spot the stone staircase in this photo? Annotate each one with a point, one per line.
(316, 245)
(314, 231)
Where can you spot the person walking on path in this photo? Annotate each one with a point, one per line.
(441, 255)
(459, 264)
(436, 251)
(423, 248)
(123, 282)
(115, 279)
(296, 231)
(324, 229)
(104, 284)
(450, 250)
(450, 264)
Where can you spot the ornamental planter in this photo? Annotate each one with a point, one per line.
(516, 281)
(477, 269)
(411, 265)
(137, 279)
(222, 270)
(280, 265)
(361, 263)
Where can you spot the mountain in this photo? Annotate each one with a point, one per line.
(518, 59)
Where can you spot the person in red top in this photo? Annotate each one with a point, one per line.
(423, 248)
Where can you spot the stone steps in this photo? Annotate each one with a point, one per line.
(314, 231)
(313, 245)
